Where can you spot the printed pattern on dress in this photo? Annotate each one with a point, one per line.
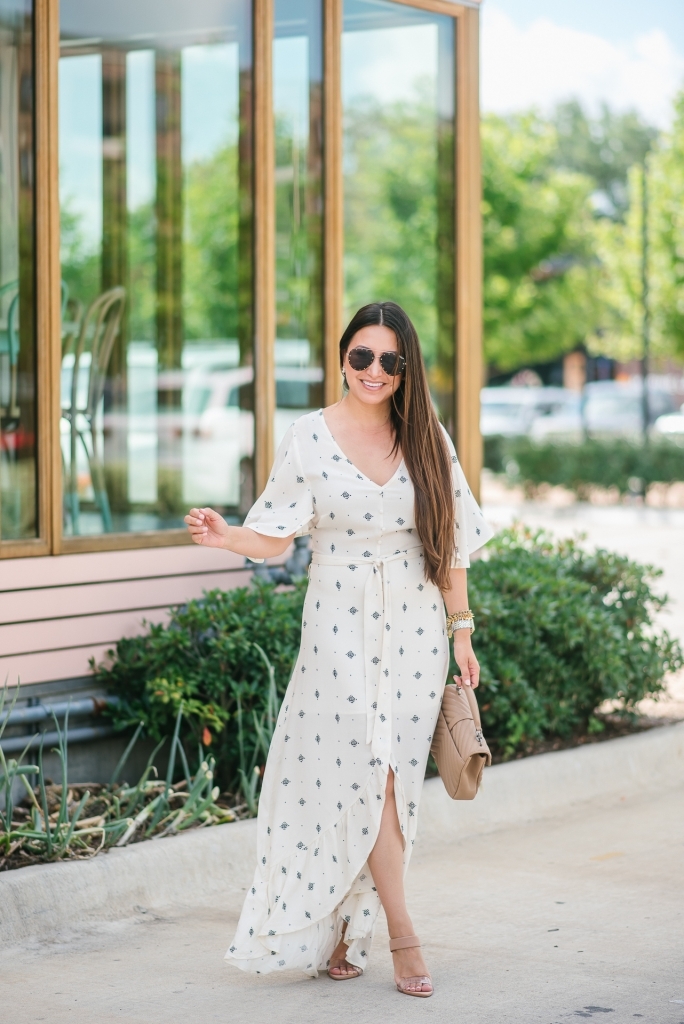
(363, 698)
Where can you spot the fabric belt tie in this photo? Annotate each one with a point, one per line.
(377, 626)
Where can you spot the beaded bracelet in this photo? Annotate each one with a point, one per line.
(460, 620)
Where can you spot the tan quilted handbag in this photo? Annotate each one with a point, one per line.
(458, 746)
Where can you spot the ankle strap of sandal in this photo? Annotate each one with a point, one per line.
(407, 942)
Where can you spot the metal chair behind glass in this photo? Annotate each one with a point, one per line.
(95, 338)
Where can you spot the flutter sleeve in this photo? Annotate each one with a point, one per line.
(286, 505)
(471, 530)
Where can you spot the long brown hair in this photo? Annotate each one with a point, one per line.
(419, 436)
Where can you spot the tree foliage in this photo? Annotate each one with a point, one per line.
(560, 630)
(540, 290)
(617, 463)
(393, 233)
(620, 247)
(604, 149)
(210, 250)
(562, 233)
(206, 659)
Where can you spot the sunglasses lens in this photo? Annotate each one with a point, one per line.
(360, 358)
(392, 363)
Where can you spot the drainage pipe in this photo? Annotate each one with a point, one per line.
(39, 712)
(15, 744)
(34, 713)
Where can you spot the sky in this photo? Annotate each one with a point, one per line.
(627, 53)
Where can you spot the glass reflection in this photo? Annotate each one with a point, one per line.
(155, 191)
(399, 218)
(18, 491)
(298, 115)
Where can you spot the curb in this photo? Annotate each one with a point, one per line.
(46, 899)
(42, 900)
(547, 785)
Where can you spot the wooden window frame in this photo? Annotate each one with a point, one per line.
(468, 271)
(46, 199)
(468, 364)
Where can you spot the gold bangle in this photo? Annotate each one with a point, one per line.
(458, 617)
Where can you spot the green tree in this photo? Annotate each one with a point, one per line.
(210, 251)
(620, 247)
(604, 149)
(540, 268)
(391, 202)
(80, 262)
(142, 273)
(298, 237)
(667, 187)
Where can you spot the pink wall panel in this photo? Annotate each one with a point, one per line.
(58, 612)
(90, 598)
(80, 631)
(106, 627)
(37, 668)
(21, 573)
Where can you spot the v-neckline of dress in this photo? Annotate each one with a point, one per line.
(365, 476)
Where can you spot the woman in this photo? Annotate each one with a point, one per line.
(375, 481)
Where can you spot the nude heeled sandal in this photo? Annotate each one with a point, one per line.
(408, 942)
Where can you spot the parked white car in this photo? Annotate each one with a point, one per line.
(615, 408)
(608, 408)
(671, 425)
(534, 411)
(218, 424)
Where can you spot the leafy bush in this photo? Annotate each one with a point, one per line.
(615, 462)
(558, 632)
(207, 657)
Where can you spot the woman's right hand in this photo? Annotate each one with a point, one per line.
(207, 527)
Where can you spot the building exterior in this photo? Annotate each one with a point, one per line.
(193, 199)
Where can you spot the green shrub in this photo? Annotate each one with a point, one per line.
(558, 632)
(615, 462)
(206, 657)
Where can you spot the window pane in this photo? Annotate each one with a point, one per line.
(156, 196)
(398, 98)
(298, 113)
(18, 488)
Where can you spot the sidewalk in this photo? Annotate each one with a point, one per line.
(539, 924)
(578, 916)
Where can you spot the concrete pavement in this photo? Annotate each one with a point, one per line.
(577, 917)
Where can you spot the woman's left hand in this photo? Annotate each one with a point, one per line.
(465, 658)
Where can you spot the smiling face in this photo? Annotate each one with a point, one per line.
(372, 386)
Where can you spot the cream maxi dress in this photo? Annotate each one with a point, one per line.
(363, 698)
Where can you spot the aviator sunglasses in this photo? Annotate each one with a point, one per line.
(361, 358)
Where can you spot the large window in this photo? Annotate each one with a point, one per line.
(231, 180)
(298, 117)
(18, 415)
(155, 172)
(398, 163)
